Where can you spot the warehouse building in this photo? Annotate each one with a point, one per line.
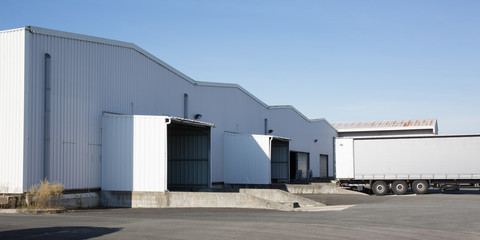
(387, 128)
(94, 113)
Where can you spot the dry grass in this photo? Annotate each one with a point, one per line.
(44, 195)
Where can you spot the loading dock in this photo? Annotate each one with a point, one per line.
(188, 156)
(299, 161)
(324, 166)
(255, 159)
(153, 153)
(280, 160)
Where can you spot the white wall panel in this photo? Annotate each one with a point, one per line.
(286, 122)
(344, 158)
(134, 153)
(89, 78)
(232, 111)
(150, 154)
(12, 93)
(247, 159)
(117, 153)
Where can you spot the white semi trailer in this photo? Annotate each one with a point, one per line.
(445, 162)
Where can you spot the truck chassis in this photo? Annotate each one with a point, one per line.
(400, 187)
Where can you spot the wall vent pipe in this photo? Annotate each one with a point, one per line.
(266, 126)
(47, 115)
(185, 106)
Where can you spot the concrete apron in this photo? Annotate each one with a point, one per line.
(272, 199)
(319, 188)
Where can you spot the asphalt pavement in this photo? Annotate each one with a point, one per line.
(431, 216)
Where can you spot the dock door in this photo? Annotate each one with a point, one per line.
(188, 158)
(280, 163)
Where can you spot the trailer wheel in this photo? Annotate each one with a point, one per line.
(379, 188)
(399, 187)
(420, 186)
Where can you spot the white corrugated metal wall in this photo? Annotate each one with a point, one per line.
(135, 153)
(303, 136)
(247, 159)
(118, 153)
(12, 62)
(231, 111)
(150, 153)
(91, 76)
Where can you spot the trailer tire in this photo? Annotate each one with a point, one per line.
(399, 187)
(420, 186)
(379, 188)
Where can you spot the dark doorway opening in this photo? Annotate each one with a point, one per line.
(324, 166)
(280, 161)
(188, 157)
(299, 161)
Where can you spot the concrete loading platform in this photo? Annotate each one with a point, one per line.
(272, 199)
(318, 188)
(253, 198)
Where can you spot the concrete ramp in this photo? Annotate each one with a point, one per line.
(247, 198)
(319, 188)
(275, 195)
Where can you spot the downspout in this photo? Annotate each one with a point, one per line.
(185, 106)
(46, 117)
(165, 166)
(270, 139)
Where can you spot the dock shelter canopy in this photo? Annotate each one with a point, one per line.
(255, 159)
(140, 152)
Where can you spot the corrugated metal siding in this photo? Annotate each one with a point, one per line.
(386, 133)
(117, 152)
(90, 77)
(287, 123)
(150, 154)
(247, 159)
(231, 111)
(12, 80)
(134, 153)
(387, 124)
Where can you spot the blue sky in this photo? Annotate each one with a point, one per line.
(340, 60)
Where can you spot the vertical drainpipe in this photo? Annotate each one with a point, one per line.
(165, 165)
(266, 126)
(185, 106)
(270, 141)
(47, 116)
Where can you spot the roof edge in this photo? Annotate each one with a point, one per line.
(388, 129)
(83, 37)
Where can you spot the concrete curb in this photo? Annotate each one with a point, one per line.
(324, 209)
(31, 211)
(319, 188)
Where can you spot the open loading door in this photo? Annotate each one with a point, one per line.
(154, 153)
(255, 159)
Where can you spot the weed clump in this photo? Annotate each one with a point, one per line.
(44, 195)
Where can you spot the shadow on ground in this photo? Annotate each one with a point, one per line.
(73, 233)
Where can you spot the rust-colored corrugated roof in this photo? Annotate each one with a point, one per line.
(386, 125)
